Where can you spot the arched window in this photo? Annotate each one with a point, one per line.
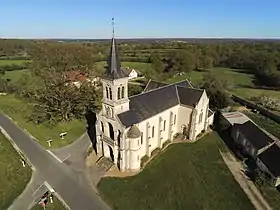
(174, 119)
(153, 131)
(107, 92)
(119, 93)
(122, 91)
(102, 127)
(110, 93)
(200, 116)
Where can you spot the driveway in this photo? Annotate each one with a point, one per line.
(71, 186)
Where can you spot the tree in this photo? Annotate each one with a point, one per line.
(206, 62)
(216, 90)
(156, 62)
(58, 99)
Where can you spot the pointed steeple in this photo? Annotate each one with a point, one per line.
(114, 70)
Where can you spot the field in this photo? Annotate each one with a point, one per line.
(56, 205)
(242, 82)
(10, 62)
(14, 76)
(265, 123)
(185, 176)
(20, 110)
(13, 176)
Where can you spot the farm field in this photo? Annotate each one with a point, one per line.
(20, 111)
(185, 176)
(10, 62)
(242, 83)
(13, 176)
(15, 75)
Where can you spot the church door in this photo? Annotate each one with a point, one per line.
(111, 131)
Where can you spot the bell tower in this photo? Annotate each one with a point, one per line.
(115, 83)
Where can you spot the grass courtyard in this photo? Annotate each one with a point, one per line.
(13, 176)
(185, 176)
(20, 110)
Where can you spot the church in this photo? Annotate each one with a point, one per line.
(129, 128)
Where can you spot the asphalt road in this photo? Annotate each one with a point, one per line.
(77, 195)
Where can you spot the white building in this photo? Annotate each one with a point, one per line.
(132, 73)
(129, 128)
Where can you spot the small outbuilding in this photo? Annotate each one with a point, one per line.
(269, 161)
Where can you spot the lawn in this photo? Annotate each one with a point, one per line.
(20, 110)
(15, 75)
(10, 62)
(265, 123)
(185, 176)
(242, 82)
(271, 195)
(56, 205)
(13, 176)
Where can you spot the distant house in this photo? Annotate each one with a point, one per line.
(132, 73)
(269, 161)
(77, 78)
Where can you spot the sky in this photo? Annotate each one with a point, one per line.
(140, 18)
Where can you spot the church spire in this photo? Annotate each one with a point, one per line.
(114, 70)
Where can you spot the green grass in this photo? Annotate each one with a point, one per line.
(10, 62)
(185, 176)
(271, 194)
(14, 76)
(265, 123)
(56, 205)
(236, 78)
(13, 177)
(20, 110)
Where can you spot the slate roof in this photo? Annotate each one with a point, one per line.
(271, 159)
(114, 70)
(133, 132)
(148, 104)
(152, 84)
(254, 134)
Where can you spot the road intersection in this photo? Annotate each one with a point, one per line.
(71, 185)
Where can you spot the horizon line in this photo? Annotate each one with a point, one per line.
(129, 38)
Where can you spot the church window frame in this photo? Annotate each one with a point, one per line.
(164, 124)
(110, 93)
(141, 138)
(153, 131)
(174, 119)
(107, 92)
(200, 117)
(122, 92)
(119, 93)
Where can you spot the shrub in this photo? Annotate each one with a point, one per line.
(144, 159)
(166, 143)
(155, 151)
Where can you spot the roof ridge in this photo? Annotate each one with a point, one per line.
(190, 88)
(167, 85)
